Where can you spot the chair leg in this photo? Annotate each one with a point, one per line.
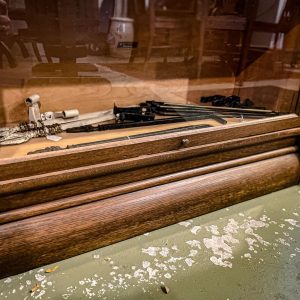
(23, 48)
(1, 60)
(6, 51)
(132, 56)
(49, 58)
(148, 52)
(36, 51)
(200, 49)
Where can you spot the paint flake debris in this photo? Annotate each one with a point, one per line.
(39, 277)
(35, 288)
(152, 251)
(189, 261)
(194, 243)
(195, 229)
(292, 222)
(185, 223)
(51, 270)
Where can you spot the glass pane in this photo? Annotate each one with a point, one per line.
(193, 62)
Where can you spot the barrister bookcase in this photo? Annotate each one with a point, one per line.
(97, 54)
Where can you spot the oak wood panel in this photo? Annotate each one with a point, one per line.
(50, 162)
(69, 183)
(34, 210)
(283, 138)
(59, 235)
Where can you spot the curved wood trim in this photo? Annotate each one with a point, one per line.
(35, 210)
(59, 235)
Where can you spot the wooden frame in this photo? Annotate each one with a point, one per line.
(90, 226)
(83, 198)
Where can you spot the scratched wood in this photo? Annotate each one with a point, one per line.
(62, 234)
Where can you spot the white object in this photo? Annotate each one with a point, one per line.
(33, 103)
(121, 31)
(53, 138)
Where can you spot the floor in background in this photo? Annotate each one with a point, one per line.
(247, 251)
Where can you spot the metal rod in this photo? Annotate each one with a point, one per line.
(146, 123)
(130, 137)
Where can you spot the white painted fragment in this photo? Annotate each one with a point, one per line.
(292, 222)
(219, 262)
(189, 261)
(185, 223)
(152, 251)
(39, 296)
(139, 274)
(221, 248)
(194, 243)
(213, 229)
(152, 273)
(193, 253)
(195, 229)
(175, 248)
(39, 277)
(162, 266)
(164, 251)
(146, 264)
(231, 227)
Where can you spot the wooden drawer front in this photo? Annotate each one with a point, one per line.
(23, 192)
(47, 238)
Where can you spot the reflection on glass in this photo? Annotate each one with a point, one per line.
(89, 55)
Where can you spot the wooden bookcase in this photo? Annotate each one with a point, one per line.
(59, 204)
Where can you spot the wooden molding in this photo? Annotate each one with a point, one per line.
(65, 233)
(73, 158)
(39, 189)
(51, 206)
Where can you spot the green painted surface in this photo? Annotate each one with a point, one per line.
(248, 251)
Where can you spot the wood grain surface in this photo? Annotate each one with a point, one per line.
(67, 159)
(39, 209)
(45, 239)
(38, 189)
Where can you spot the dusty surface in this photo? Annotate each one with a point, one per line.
(248, 251)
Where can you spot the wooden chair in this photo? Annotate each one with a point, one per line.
(234, 20)
(8, 39)
(166, 25)
(65, 28)
(290, 18)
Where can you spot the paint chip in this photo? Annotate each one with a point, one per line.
(165, 289)
(35, 288)
(51, 270)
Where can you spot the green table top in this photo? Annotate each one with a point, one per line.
(247, 251)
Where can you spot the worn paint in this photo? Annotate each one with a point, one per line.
(203, 257)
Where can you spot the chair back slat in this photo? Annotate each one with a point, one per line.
(65, 21)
